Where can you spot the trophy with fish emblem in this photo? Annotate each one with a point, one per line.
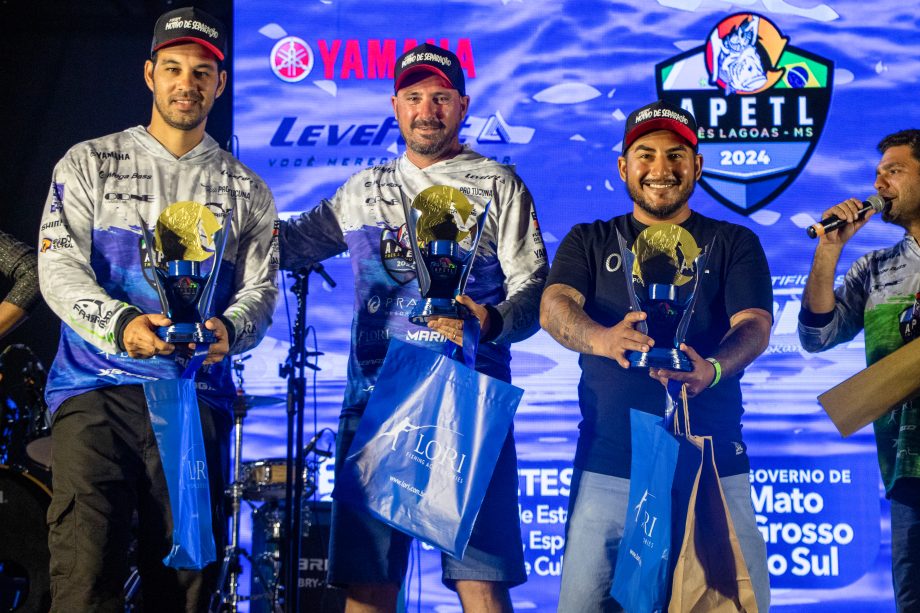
(659, 268)
(438, 220)
(186, 235)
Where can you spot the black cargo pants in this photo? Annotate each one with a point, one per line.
(106, 466)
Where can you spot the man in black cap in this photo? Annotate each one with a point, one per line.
(95, 276)
(366, 217)
(586, 308)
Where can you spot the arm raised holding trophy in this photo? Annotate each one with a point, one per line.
(880, 295)
(658, 295)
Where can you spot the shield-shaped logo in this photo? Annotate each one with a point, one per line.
(396, 254)
(760, 105)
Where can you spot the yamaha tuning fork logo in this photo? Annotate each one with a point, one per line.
(292, 59)
(760, 104)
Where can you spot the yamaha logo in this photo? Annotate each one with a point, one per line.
(292, 59)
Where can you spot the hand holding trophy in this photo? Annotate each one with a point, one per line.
(664, 258)
(186, 235)
(438, 220)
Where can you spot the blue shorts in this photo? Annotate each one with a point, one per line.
(363, 549)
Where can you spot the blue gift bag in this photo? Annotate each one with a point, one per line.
(173, 406)
(642, 576)
(426, 446)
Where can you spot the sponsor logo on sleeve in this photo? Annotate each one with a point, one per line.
(56, 244)
(90, 311)
(57, 197)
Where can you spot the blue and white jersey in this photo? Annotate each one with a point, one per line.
(94, 268)
(366, 217)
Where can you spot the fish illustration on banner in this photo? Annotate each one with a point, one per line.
(760, 104)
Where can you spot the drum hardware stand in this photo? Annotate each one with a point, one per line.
(226, 598)
(293, 371)
(132, 587)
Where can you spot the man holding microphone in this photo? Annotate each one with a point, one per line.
(879, 294)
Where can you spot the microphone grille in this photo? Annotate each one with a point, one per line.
(876, 201)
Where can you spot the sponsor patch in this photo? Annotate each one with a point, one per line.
(396, 254)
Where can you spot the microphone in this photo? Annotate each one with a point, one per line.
(873, 203)
(319, 268)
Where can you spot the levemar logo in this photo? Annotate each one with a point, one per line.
(760, 105)
(431, 446)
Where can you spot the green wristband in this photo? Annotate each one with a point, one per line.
(718, 367)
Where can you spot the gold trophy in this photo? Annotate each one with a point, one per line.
(664, 259)
(438, 220)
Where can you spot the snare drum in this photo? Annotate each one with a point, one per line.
(266, 479)
(25, 585)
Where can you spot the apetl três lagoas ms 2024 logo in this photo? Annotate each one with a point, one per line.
(760, 105)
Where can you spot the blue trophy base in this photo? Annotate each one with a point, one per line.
(187, 333)
(672, 359)
(429, 308)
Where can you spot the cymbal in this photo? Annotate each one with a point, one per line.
(252, 401)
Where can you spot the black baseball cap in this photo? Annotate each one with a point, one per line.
(429, 58)
(659, 115)
(190, 25)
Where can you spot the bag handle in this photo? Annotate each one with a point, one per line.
(196, 360)
(467, 352)
(677, 412)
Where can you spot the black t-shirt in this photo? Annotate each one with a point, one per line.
(735, 277)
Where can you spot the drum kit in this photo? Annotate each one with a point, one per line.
(25, 482)
(265, 481)
(25, 493)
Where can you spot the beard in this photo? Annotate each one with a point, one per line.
(662, 211)
(434, 145)
(181, 121)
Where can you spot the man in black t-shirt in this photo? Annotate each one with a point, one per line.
(586, 308)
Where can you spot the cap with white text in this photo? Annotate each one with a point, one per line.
(659, 115)
(190, 25)
(429, 58)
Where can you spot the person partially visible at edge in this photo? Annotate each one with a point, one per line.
(880, 294)
(586, 308)
(19, 268)
(96, 277)
(365, 217)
